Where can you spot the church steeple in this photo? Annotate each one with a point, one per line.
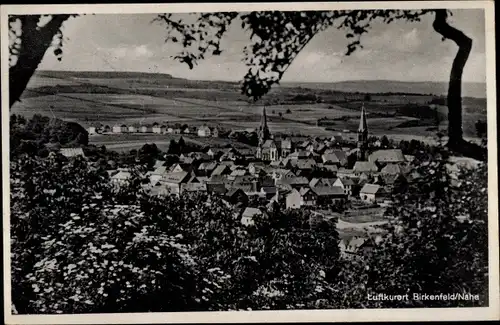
(362, 134)
(362, 121)
(264, 133)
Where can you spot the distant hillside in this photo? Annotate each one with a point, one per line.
(477, 90)
(102, 74)
(470, 89)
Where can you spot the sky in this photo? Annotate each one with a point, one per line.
(404, 51)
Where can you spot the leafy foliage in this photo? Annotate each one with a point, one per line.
(437, 239)
(81, 245)
(41, 132)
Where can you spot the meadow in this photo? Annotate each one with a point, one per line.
(141, 98)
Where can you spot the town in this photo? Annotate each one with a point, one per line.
(330, 176)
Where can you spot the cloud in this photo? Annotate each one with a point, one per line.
(409, 41)
(143, 51)
(128, 52)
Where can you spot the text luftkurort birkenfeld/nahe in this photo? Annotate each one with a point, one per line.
(422, 296)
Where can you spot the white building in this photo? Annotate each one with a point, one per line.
(159, 129)
(204, 131)
(92, 130)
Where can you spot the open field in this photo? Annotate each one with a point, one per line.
(127, 142)
(141, 98)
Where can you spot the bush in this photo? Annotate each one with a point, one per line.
(80, 246)
(427, 248)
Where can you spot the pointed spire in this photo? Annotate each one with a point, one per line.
(362, 122)
(264, 133)
(264, 117)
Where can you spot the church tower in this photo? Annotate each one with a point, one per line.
(263, 132)
(362, 135)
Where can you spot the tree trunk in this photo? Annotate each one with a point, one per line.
(454, 98)
(455, 86)
(34, 44)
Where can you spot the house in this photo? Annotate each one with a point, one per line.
(221, 170)
(391, 169)
(121, 178)
(409, 158)
(238, 172)
(72, 152)
(322, 182)
(294, 200)
(120, 128)
(268, 191)
(339, 154)
(236, 196)
(306, 164)
(199, 156)
(255, 167)
(204, 131)
(181, 167)
(320, 148)
(156, 175)
(193, 187)
(346, 184)
(358, 246)
(145, 129)
(206, 168)
(372, 193)
(160, 170)
(344, 172)
(212, 152)
(228, 163)
(159, 129)
(286, 147)
(281, 173)
(249, 214)
(330, 159)
(364, 167)
(291, 183)
(246, 153)
(106, 129)
(132, 129)
(216, 187)
(215, 132)
(308, 197)
(159, 163)
(351, 246)
(386, 156)
(327, 195)
(174, 180)
(365, 177)
(330, 168)
(336, 139)
(246, 183)
(92, 130)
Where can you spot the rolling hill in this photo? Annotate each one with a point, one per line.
(470, 89)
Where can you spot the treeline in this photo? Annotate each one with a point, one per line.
(41, 134)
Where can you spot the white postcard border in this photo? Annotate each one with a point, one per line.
(429, 314)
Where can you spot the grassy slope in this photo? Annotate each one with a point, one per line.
(135, 97)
